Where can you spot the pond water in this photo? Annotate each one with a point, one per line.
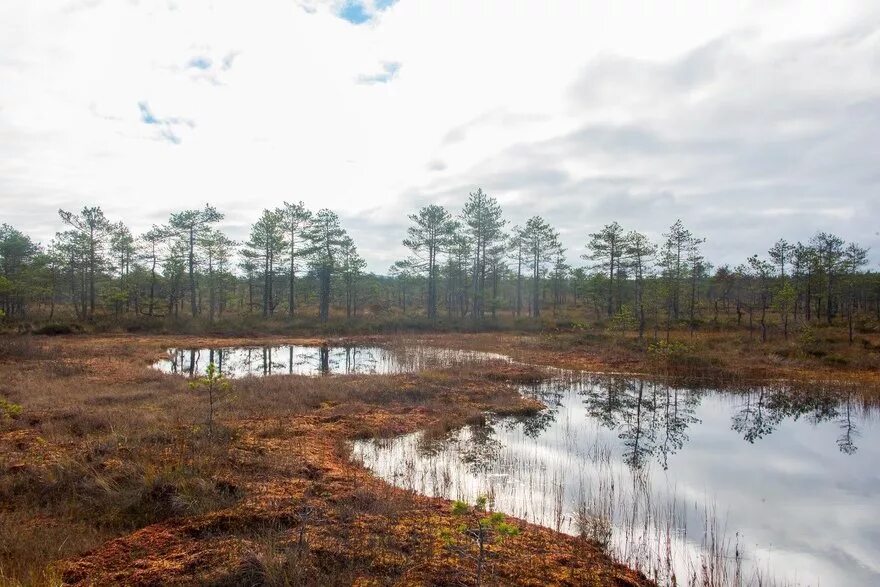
(768, 485)
(262, 361)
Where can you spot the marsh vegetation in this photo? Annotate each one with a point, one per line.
(110, 473)
(114, 470)
(692, 486)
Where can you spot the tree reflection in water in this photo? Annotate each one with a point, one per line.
(763, 408)
(284, 359)
(652, 418)
(587, 465)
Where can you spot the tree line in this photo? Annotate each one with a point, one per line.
(466, 267)
(184, 266)
(628, 279)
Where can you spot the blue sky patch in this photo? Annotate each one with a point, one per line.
(200, 62)
(146, 116)
(354, 12)
(167, 127)
(359, 12)
(388, 73)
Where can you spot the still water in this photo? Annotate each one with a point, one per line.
(313, 360)
(767, 485)
(764, 485)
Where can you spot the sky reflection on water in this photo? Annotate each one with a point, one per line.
(791, 475)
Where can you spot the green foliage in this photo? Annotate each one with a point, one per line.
(9, 409)
(682, 358)
(623, 320)
(180, 277)
(807, 341)
(479, 527)
(667, 351)
(606, 249)
(212, 377)
(460, 508)
(431, 232)
(216, 384)
(540, 244)
(785, 296)
(482, 225)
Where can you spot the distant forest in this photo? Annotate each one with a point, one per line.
(465, 268)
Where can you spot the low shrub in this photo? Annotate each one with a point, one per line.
(682, 358)
(9, 410)
(835, 360)
(58, 328)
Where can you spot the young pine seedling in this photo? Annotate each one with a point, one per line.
(481, 527)
(216, 384)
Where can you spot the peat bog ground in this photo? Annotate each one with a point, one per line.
(108, 473)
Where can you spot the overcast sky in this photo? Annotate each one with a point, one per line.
(747, 120)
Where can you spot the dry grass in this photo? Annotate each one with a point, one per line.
(17, 348)
(108, 475)
(85, 461)
(818, 354)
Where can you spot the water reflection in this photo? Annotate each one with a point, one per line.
(314, 360)
(277, 360)
(761, 411)
(681, 482)
(652, 418)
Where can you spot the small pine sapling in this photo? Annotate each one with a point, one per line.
(480, 526)
(216, 385)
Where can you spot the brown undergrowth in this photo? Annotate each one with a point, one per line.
(108, 476)
(712, 357)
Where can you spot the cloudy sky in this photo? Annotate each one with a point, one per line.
(747, 120)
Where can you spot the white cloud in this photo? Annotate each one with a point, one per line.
(585, 112)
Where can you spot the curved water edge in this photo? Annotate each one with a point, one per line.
(764, 485)
(312, 360)
(767, 484)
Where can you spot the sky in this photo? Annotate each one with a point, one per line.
(750, 121)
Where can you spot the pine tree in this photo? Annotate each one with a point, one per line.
(483, 224)
(189, 225)
(326, 238)
(429, 236)
(295, 218)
